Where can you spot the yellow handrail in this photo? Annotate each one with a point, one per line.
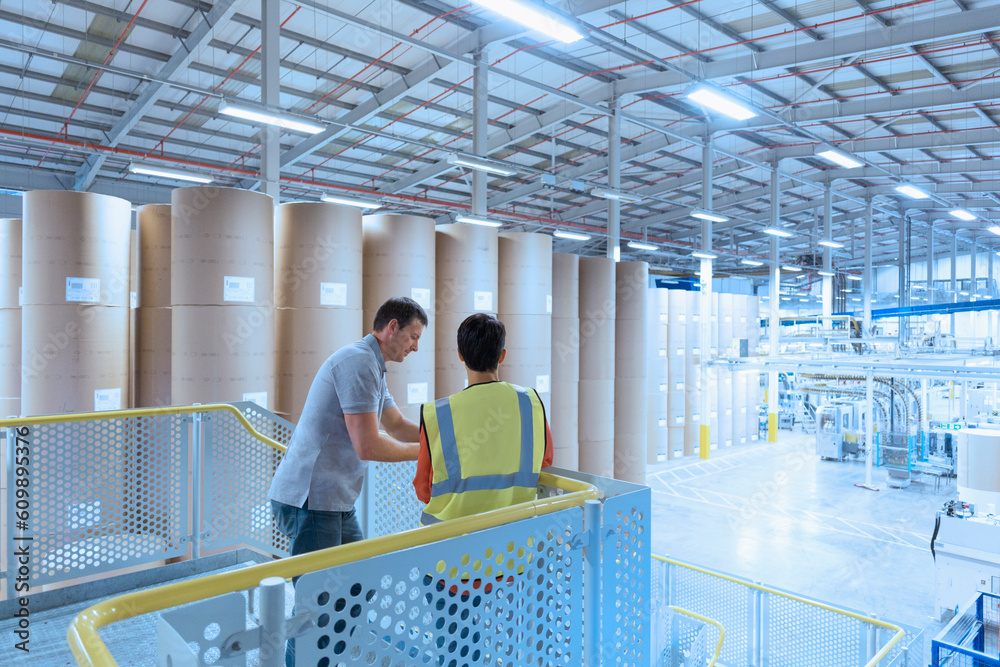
(710, 621)
(843, 612)
(144, 412)
(89, 649)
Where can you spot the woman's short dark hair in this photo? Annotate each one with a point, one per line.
(481, 339)
(403, 309)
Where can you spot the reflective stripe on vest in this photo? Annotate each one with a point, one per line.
(449, 444)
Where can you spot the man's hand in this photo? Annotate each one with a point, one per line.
(370, 445)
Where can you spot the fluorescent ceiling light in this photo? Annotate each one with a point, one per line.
(963, 294)
(853, 277)
(856, 300)
(842, 159)
(571, 236)
(168, 173)
(994, 228)
(793, 269)
(635, 245)
(752, 262)
(848, 290)
(708, 215)
(911, 192)
(480, 164)
(773, 231)
(786, 298)
(608, 193)
(288, 121)
(831, 244)
(482, 222)
(716, 100)
(826, 273)
(535, 18)
(962, 214)
(704, 255)
(804, 300)
(348, 201)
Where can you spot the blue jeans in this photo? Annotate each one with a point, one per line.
(312, 530)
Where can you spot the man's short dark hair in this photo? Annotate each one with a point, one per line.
(481, 339)
(403, 309)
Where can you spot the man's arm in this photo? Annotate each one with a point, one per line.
(370, 445)
(398, 426)
(423, 481)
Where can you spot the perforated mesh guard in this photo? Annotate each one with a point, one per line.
(393, 506)
(626, 579)
(238, 472)
(105, 495)
(509, 596)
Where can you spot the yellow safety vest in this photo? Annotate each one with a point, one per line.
(486, 444)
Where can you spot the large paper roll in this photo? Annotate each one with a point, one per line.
(10, 262)
(154, 256)
(597, 319)
(631, 286)
(563, 415)
(317, 256)
(399, 260)
(525, 273)
(529, 357)
(76, 248)
(222, 247)
(152, 357)
(565, 285)
(304, 338)
(74, 358)
(10, 354)
(222, 353)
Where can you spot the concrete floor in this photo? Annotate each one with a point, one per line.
(777, 514)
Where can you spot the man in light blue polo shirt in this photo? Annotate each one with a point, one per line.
(319, 479)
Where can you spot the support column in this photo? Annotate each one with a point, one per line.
(954, 277)
(869, 425)
(903, 289)
(704, 430)
(270, 77)
(828, 261)
(614, 179)
(866, 283)
(973, 256)
(480, 126)
(990, 294)
(930, 266)
(774, 324)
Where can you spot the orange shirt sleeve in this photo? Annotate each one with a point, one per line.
(424, 478)
(549, 453)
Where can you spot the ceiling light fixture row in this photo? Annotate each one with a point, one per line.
(266, 116)
(163, 172)
(482, 164)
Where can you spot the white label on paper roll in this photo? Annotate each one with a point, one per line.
(663, 386)
(663, 317)
(743, 411)
(715, 350)
(713, 414)
(662, 423)
(258, 397)
(679, 352)
(679, 420)
(333, 294)
(729, 443)
(729, 412)
(416, 392)
(548, 302)
(20, 296)
(696, 318)
(483, 301)
(679, 386)
(107, 399)
(239, 289)
(542, 384)
(133, 300)
(728, 318)
(696, 417)
(87, 290)
(743, 320)
(697, 350)
(663, 351)
(422, 295)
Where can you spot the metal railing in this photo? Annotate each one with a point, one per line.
(767, 626)
(103, 492)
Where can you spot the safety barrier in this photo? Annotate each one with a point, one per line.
(972, 638)
(767, 626)
(101, 492)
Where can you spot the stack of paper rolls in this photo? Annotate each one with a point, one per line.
(631, 313)
(222, 296)
(317, 293)
(153, 315)
(75, 316)
(10, 318)
(564, 396)
(597, 366)
(399, 260)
